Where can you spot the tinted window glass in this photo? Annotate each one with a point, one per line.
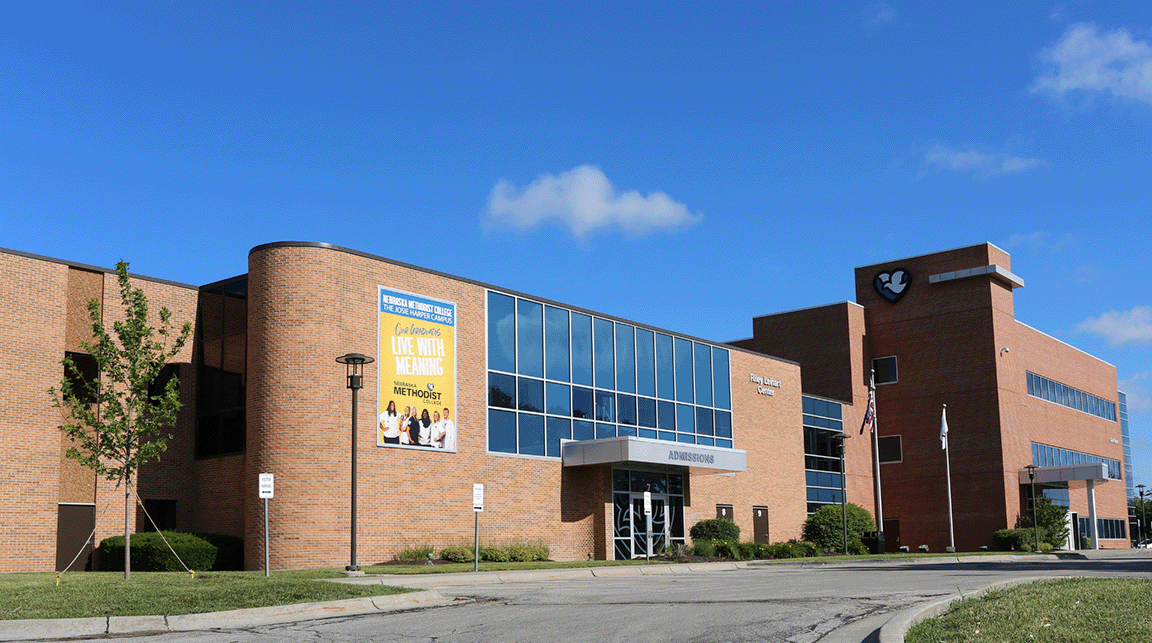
(605, 431)
(665, 368)
(605, 406)
(556, 350)
(666, 416)
(703, 374)
(626, 409)
(558, 429)
(721, 379)
(501, 390)
(685, 418)
(531, 434)
(530, 338)
(683, 370)
(605, 366)
(703, 421)
(582, 430)
(582, 405)
(559, 399)
(646, 412)
(581, 349)
(625, 359)
(501, 333)
(531, 395)
(645, 363)
(501, 431)
(723, 424)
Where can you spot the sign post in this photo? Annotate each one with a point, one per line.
(648, 524)
(267, 490)
(477, 507)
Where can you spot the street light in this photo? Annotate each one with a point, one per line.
(1141, 488)
(839, 438)
(355, 365)
(1032, 482)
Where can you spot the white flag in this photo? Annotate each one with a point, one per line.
(944, 427)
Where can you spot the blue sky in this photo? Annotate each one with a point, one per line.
(653, 160)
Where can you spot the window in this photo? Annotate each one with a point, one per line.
(823, 424)
(84, 378)
(222, 368)
(557, 374)
(885, 370)
(162, 512)
(890, 449)
(1073, 398)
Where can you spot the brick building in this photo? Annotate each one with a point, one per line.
(939, 329)
(566, 416)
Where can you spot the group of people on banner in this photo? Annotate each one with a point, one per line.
(418, 428)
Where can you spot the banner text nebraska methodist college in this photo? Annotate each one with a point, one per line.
(417, 372)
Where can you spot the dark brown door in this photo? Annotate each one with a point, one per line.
(725, 511)
(74, 525)
(760, 524)
(891, 535)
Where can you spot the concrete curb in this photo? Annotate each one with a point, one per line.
(895, 628)
(75, 627)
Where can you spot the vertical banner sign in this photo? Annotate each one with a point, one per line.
(417, 373)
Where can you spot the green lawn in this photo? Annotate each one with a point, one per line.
(106, 593)
(1068, 610)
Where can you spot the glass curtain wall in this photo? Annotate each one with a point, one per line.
(557, 374)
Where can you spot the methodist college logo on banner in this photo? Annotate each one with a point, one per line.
(417, 372)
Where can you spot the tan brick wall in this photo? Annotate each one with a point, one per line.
(308, 305)
(43, 313)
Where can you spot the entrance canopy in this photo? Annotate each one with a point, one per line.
(1067, 473)
(633, 450)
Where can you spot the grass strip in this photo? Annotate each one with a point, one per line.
(1067, 610)
(33, 596)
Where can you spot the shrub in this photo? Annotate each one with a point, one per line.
(825, 528)
(494, 553)
(728, 549)
(229, 551)
(703, 548)
(458, 553)
(792, 549)
(414, 552)
(150, 554)
(715, 529)
(1014, 539)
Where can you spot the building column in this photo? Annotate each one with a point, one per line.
(1092, 514)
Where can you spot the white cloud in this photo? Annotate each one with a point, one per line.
(983, 163)
(584, 200)
(1042, 241)
(879, 13)
(1119, 328)
(1085, 59)
(1139, 400)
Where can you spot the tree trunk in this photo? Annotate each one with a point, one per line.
(127, 535)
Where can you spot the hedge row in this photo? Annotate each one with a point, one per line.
(734, 550)
(199, 552)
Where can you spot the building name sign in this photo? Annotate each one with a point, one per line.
(691, 456)
(764, 385)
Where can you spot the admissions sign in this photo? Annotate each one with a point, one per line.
(417, 372)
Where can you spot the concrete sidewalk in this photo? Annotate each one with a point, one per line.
(80, 627)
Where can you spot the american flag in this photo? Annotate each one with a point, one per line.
(870, 415)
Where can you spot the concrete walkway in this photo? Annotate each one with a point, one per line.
(892, 630)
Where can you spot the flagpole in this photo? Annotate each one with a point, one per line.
(876, 464)
(948, 476)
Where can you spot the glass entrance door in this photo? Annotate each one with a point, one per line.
(646, 542)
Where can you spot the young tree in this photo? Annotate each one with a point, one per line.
(115, 423)
(1051, 518)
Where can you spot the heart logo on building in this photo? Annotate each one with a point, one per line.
(892, 284)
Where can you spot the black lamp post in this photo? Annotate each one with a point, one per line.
(1142, 527)
(1032, 482)
(355, 364)
(839, 438)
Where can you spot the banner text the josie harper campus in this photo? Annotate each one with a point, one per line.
(417, 372)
